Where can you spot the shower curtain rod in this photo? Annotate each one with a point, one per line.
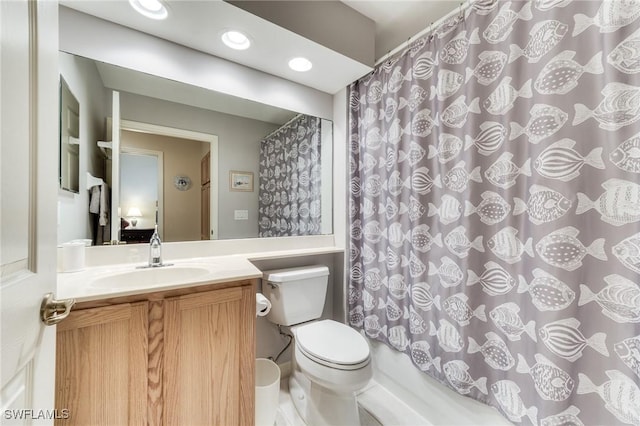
(281, 127)
(460, 9)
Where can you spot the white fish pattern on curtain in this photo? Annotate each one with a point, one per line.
(495, 208)
(289, 181)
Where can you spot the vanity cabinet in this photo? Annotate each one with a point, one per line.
(207, 339)
(101, 365)
(175, 358)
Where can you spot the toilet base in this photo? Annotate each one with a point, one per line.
(319, 406)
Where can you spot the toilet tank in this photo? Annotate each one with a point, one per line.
(296, 294)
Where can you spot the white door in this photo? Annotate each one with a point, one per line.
(28, 181)
(115, 165)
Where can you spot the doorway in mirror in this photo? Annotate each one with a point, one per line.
(182, 205)
(141, 195)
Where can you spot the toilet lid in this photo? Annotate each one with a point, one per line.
(332, 342)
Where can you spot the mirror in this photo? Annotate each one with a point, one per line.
(199, 164)
(69, 127)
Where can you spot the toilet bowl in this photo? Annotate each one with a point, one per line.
(330, 361)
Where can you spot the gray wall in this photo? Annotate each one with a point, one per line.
(269, 342)
(238, 148)
(330, 23)
(84, 82)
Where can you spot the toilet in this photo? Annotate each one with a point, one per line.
(331, 361)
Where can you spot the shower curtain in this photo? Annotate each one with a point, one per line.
(289, 181)
(495, 208)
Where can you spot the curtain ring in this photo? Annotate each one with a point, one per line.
(430, 32)
(461, 12)
(408, 43)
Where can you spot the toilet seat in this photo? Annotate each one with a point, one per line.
(333, 344)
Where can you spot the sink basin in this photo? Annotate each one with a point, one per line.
(174, 274)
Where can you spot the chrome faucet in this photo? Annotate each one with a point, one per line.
(155, 250)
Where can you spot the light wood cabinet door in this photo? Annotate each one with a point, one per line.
(209, 358)
(101, 365)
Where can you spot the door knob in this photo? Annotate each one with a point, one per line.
(53, 311)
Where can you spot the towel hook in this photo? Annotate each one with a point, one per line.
(93, 181)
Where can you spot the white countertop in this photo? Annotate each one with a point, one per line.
(92, 283)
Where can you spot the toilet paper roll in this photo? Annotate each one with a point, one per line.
(263, 305)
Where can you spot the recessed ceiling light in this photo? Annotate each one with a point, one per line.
(153, 9)
(236, 40)
(300, 64)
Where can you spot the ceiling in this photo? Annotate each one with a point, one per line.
(198, 24)
(397, 20)
(127, 80)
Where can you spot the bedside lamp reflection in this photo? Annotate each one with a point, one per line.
(134, 213)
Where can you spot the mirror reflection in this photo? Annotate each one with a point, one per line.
(198, 164)
(68, 164)
(164, 180)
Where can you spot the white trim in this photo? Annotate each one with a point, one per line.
(115, 165)
(136, 126)
(326, 170)
(160, 156)
(214, 188)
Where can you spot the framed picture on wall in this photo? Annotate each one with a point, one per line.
(240, 181)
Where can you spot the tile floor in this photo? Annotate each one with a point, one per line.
(378, 407)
